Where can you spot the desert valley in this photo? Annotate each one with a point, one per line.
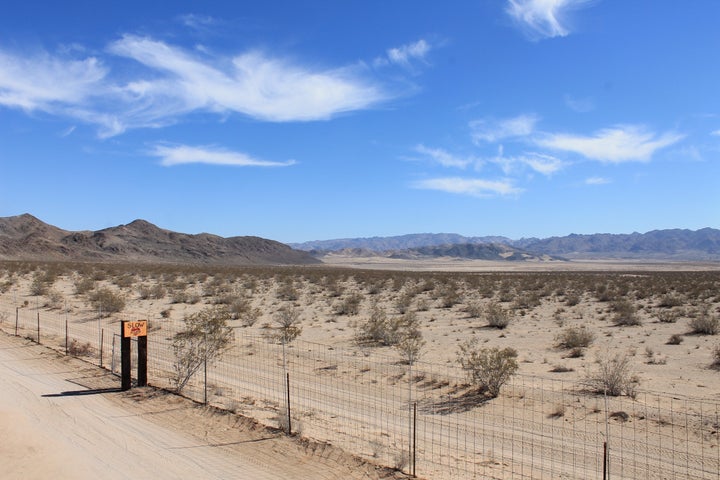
(380, 360)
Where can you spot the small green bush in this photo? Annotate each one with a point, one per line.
(489, 368)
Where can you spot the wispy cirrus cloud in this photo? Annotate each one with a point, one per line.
(172, 155)
(542, 18)
(490, 130)
(49, 83)
(475, 187)
(405, 55)
(596, 181)
(445, 158)
(624, 143)
(176, 82)
(253, 84)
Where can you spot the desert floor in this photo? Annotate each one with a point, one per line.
(648, 312)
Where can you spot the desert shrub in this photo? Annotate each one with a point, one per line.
(497, 316)
(670, 300)
(448, 293)
(625, 314)
(83, 285)
(675, 339)
(526, 300)
(287, 291)
(77, 349)
(288, 327)
(613, 376)
(54, 299)
(704, 323)
(716, 357)
(241, 309)
(146, 292)
(474, 309)
(411, 343)
(350, 305)
(572, 299)
(204, 338)
(125, 281)
(667, 316)
(379, 329)
(404, 301)
(575, 337)
(106, 300)
(39, 285)
(488, 368)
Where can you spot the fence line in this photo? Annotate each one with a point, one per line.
(379, 409)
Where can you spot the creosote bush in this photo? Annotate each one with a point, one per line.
(613, 377)
(288, 324)
(205, 336)
(488, 368)
(704, 323)
(575, 337)
(107, 301)
(625, 314)
(497, 316)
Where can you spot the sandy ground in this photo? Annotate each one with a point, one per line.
(64, 419)
(537, 296)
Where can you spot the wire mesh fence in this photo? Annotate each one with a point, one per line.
(419, 418)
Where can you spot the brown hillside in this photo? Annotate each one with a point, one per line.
(24, 237)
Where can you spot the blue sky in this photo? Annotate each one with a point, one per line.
(326, 119)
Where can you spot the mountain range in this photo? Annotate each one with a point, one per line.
(24, 237)
(670, 244)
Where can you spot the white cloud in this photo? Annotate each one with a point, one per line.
(172, 155)
(613, 145)
(596, 181)
(539, 162)
(542, 18)
(542, 163)
(475, 187)
(412, 51)
(491, 131)
(715, 133)
(253, 84)
(47, 83)
(179, 82)
(446, 159)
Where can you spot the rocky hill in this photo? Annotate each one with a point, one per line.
(24, 237)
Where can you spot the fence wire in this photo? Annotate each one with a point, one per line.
(422, 418)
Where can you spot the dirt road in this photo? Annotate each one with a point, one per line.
(62, 418)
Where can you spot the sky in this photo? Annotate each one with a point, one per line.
(311, 120)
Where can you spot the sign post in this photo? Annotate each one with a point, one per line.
(128, 330)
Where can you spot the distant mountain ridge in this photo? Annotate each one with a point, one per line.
(24, 237)
(670, 244)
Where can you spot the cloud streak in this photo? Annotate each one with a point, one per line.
(629, 143)
(172, 155)
(446, 159)
(542, 18)
(475, 187)
(490, 131)
(49, 84)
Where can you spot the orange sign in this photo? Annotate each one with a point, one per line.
(135, 329)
